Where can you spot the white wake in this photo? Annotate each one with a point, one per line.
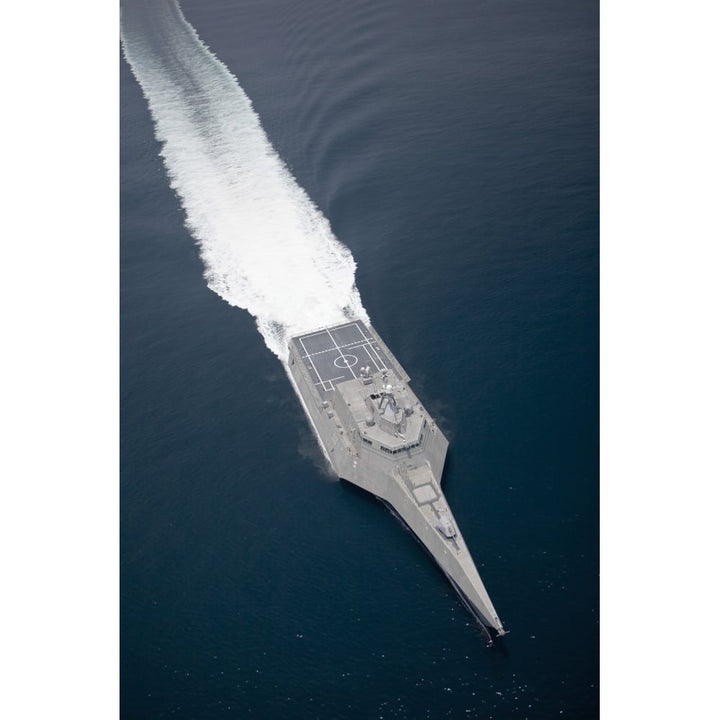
(265, 246)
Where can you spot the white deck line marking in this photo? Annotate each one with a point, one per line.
(341, 354)
(332, 349)
(369, 342)
(330, 382)
(339, 377)
(370, 358)
(346, 358)
(364, 346)
(317, 374)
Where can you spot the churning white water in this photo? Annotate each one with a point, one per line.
(264, 244)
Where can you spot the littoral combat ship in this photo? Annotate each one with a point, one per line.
(377, 435)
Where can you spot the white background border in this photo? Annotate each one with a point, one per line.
(659, 359)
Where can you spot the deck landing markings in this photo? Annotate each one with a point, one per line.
(328, 352)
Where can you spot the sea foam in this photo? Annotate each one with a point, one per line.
(265, 246)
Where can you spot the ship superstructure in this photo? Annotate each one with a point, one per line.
(377, 435)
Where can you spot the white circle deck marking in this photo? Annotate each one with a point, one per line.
(345, 361)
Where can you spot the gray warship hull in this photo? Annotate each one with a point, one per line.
(377, 435)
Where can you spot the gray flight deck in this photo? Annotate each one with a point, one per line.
(334, 355)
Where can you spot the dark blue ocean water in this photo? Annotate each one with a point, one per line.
(453, 146)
